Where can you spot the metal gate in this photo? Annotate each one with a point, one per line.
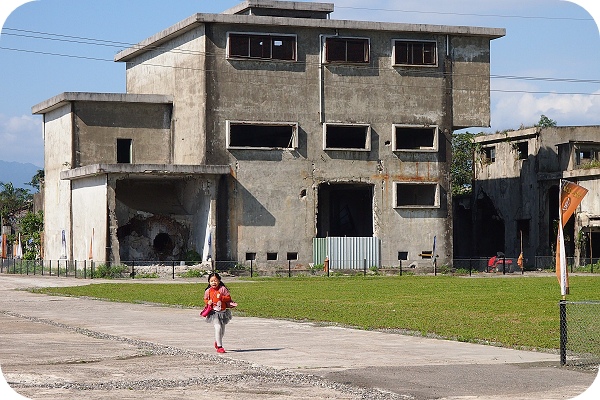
(348, 252)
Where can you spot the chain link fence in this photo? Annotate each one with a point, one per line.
(580, 333)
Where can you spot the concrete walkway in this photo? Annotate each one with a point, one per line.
(70, 348)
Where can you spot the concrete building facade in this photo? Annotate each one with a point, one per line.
(248, 134)
(516, 192)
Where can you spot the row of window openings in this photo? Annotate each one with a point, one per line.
(273, 256)
(337, 49)
(522, 149)
(336, 137)
(247, 135)
(402, 256)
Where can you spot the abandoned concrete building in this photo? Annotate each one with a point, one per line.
(516, 192)
(255, 133)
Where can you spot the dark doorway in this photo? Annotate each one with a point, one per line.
(489, 227)
(345, 210)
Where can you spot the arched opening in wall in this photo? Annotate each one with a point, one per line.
(489, 227)
(345, 209)
(162, 243)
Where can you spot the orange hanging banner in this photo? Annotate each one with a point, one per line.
(571, 196)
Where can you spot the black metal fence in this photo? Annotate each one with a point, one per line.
(89, 269)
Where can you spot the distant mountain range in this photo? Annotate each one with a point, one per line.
(18, 173)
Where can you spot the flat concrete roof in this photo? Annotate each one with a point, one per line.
(280, 5)
(196, 20)
(145, 170)
(67, 97)
(504, 136)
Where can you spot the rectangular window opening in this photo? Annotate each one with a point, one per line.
(250, 256)
(292, 256)
(262, 46)
(415, 138)
(262, 135)
(347, 137)
(124, 151)
(523, 150)
(346, 50)
(412, 52)
(271, 256)
(587, 156)
(415, 195)
(403, 255)
(489, 153)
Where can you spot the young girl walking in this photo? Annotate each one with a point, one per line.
(217, 295)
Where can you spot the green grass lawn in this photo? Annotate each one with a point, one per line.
(511, 311)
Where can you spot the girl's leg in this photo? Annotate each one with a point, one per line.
(219, 332)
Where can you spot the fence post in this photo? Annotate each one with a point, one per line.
(173, 271)
(563, 332)
(250, 268)
(365, 266)
(400, 262)
(289, 268)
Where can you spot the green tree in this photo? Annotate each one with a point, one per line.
(37, 180)
(461, 170)
(545, 122)
(13, 201)
(31, 227)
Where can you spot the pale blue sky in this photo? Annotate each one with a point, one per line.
(551, 48)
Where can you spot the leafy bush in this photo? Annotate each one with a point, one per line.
(193, 273)
(192, 257)
(111, 271)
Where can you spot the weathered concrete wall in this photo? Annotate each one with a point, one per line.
(89, 205)
(178, 68)
(98, 125)
(58, 156)
(470, 81)
(270, 217)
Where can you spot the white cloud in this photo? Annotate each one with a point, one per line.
(21, 139)
(511, 110)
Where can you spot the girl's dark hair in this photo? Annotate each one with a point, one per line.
(216, 275)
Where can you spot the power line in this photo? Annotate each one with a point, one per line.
(422, 73)
(288, 79)
(120, 45)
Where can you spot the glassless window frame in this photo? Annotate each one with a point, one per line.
(337, 129)
(418, 188)
(262, 46)
(234, 127)
(347, 50)
(431, 130)
(419, 53)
